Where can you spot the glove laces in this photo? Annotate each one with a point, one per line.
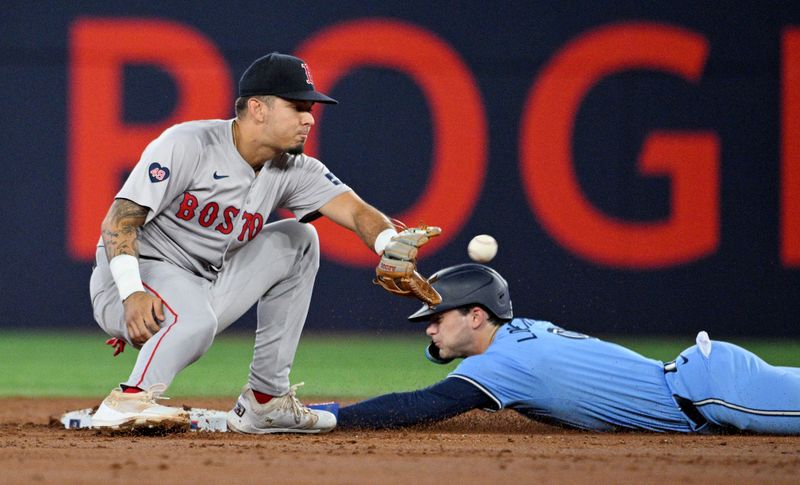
(398, 224)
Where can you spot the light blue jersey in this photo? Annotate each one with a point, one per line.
(558, 376)
(554, 375)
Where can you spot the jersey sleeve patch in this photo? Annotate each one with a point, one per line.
(157, 172)
(332, 178)
(483, 389)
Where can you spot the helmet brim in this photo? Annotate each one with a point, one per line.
(426, 311)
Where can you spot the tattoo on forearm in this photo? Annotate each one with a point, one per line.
(120, 228)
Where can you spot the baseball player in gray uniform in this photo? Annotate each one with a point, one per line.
(185, 251)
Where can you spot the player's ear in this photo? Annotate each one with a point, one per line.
(257, 109)
(477, 316)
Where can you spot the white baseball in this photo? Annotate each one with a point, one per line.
(482, 248)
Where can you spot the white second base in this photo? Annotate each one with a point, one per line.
(201, 419)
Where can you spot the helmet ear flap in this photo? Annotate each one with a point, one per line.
(432, 354)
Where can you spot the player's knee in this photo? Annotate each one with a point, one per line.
(201, 328)
(300, 239)
(306, 233)
(208, 326)
(312, 240)
(306, 240)
(311, 254)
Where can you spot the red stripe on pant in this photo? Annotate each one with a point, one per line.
(175, 321)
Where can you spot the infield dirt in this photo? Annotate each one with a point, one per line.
(474, 448)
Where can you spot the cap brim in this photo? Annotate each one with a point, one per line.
(315, 96)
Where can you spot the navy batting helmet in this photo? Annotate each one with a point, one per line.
(466, 284)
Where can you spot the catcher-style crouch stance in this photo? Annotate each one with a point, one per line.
(185, 252)
(557, 376)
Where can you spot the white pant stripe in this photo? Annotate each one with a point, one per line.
(736, 407)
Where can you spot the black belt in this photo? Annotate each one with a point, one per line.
(690, 410)
(686, 406)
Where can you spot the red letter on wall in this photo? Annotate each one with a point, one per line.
(101, 145)
(691, 159)
(790, 157)
(459, 122)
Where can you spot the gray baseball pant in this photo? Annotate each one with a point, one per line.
(276, 270)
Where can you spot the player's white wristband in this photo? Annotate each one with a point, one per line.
(125, 270)
(383, 239)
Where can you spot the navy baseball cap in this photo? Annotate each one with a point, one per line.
(281, 75)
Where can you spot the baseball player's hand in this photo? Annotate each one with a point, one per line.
(397, 270)
(143, 312)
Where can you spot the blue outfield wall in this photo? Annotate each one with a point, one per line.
(639, 162)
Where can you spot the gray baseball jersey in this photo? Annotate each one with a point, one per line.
(207, 253)
(205, 200)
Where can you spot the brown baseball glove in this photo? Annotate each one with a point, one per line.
(397, 270)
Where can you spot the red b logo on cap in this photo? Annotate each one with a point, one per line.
(309, 79)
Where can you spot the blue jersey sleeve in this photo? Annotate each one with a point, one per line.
(442, 400)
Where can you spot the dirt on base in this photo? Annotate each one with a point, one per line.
(477, 447)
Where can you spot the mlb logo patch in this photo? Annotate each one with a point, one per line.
(157, 173)
(333, 179)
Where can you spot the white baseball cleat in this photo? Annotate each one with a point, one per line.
(128, 411)
(282, 414)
